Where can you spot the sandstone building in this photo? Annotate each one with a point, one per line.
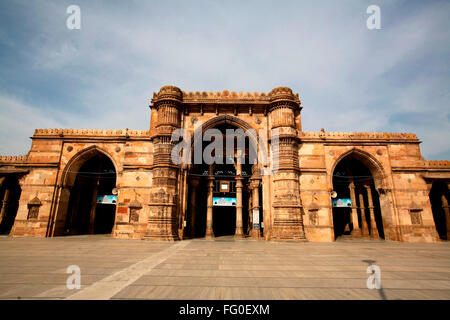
(124, 182)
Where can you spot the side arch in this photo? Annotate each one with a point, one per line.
(70, 188)
(372, 206)
(439, 196)
(73, 165)
(375, 166)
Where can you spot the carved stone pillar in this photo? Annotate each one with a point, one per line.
(194, 185)
(249, 209)
(4, 205)
(447, 214)
(91, 228)
(255, 231)
(163, 220)
(356, 231)
(364, 227)
(209, 234)
(239, 230)
(373, 225)
(287, 207)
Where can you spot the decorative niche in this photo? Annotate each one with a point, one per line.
(415, 213)
(416, 216)
(313, 211)
(135, 206)
(33, 208)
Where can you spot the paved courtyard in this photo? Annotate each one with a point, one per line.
(35, 268)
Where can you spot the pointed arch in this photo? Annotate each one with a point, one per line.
(226, 119)
(77, 202)
(374, 166)
(234, 121)
(70, 170)
(370, 213)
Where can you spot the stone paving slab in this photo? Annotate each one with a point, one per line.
(35, 268)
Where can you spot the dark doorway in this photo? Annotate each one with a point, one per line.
(224, 217)
(9, 203)
(438, 196)
(224, 221)
(85, 215)
(341, 219)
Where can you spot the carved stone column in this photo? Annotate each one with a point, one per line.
(287, 207)
(4, 205)
(356, 231)
(2, 179)
(373, 225)
(194, 185)
(209, 234)
(255, 231)
(92, 214)
(447, 214)
(365, 227)
(249, 209)
(239, 230)
(163, 220)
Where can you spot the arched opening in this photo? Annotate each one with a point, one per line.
(356, 205)
(228, 182)
(439, 198)
(91, 203)
(9, 202)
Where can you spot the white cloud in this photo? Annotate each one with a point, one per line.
(18, 122)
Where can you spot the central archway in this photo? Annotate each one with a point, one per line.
(223, 187)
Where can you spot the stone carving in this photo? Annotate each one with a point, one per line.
(33, 208)
(416, 216)
(13, 159)
(162, 197)
(313, 218)
(134, 206)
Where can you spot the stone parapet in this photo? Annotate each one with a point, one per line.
(14, 159)
(224, 97)
(90, 132)
(324, 135)
(438, 164)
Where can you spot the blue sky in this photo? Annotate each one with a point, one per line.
(103, 76)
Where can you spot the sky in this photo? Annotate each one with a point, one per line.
(349, 78)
